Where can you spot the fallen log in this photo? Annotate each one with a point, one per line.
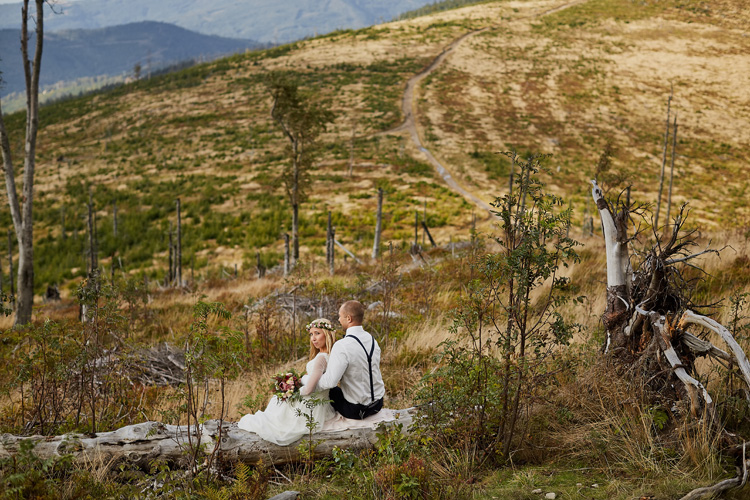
(143, 443)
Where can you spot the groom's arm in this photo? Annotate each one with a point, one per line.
(336, 367)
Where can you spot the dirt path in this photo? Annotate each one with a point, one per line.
(409, 108)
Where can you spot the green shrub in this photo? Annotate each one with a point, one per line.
(475, 399)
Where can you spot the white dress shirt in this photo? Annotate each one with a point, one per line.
(348, 367)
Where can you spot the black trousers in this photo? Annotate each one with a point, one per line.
(352, 410)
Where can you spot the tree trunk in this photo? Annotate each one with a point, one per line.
(378, 225)
(671, 168)
(178, 249)
(329, 248)
(295, 233)
(10, 270)
(663, 165)
(618, 295)
(140, 444)
(22, 214)
(114, 218)
(332, 263)
(170, 273)
(287, 261)
(93, 264)
(415, 247)
(427, 232)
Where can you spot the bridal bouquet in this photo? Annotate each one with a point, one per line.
(286, 385)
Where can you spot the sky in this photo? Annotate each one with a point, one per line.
(19, 1)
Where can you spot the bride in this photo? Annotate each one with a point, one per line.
(283, 422)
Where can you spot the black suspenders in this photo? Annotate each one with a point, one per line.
(369, 361)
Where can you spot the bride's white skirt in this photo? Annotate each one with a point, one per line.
(279, 422)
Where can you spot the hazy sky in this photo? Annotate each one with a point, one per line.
(19, 1)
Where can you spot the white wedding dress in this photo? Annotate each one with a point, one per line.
(279, 422)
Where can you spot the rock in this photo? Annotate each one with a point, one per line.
(550, 496)
(537, 491)
(287, 495)
(579, 484)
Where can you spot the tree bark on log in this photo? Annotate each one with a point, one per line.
(140, 444)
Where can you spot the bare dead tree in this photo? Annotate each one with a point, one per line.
(332, 262)
(21, 211)
(671, 167)
(93, 258)
(427, 232)
(329, 247)
(178, 249)
(351, 146)
(287, 260)
(663, 161)
(378, 225)
(649, 313)
(114, 218)
(10, 270)
(415, 247)
(170, 273)
(259, 266)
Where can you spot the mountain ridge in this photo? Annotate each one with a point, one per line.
(73, 54)
(264, 20)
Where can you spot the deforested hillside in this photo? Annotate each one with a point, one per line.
(527, 77)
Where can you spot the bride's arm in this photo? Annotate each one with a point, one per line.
(319, 366)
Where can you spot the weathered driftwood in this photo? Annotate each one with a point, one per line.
(727, 484)
(161, 365)
(140, 444)
(643, 335)
(640, 302)
(689, 317)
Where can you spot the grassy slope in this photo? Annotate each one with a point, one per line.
(562, 83)
(568, 82)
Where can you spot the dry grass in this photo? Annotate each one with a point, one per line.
(603, 419)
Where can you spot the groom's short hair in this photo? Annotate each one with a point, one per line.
(355, 309)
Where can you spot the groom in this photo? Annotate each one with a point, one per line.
(355, 364)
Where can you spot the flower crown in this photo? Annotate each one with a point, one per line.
(320, 323)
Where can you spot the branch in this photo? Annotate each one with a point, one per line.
(739, 354)
(722, 486)
(689, 257)
(659, 322)
(702, 347)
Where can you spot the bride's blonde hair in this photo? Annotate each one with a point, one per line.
(328, 330)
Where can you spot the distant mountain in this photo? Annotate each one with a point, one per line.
(73, 54)
(265, 20)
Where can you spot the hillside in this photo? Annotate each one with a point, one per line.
(452, 89)
(73, 54)
(562, 83)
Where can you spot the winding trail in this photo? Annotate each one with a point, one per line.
(409, 108)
